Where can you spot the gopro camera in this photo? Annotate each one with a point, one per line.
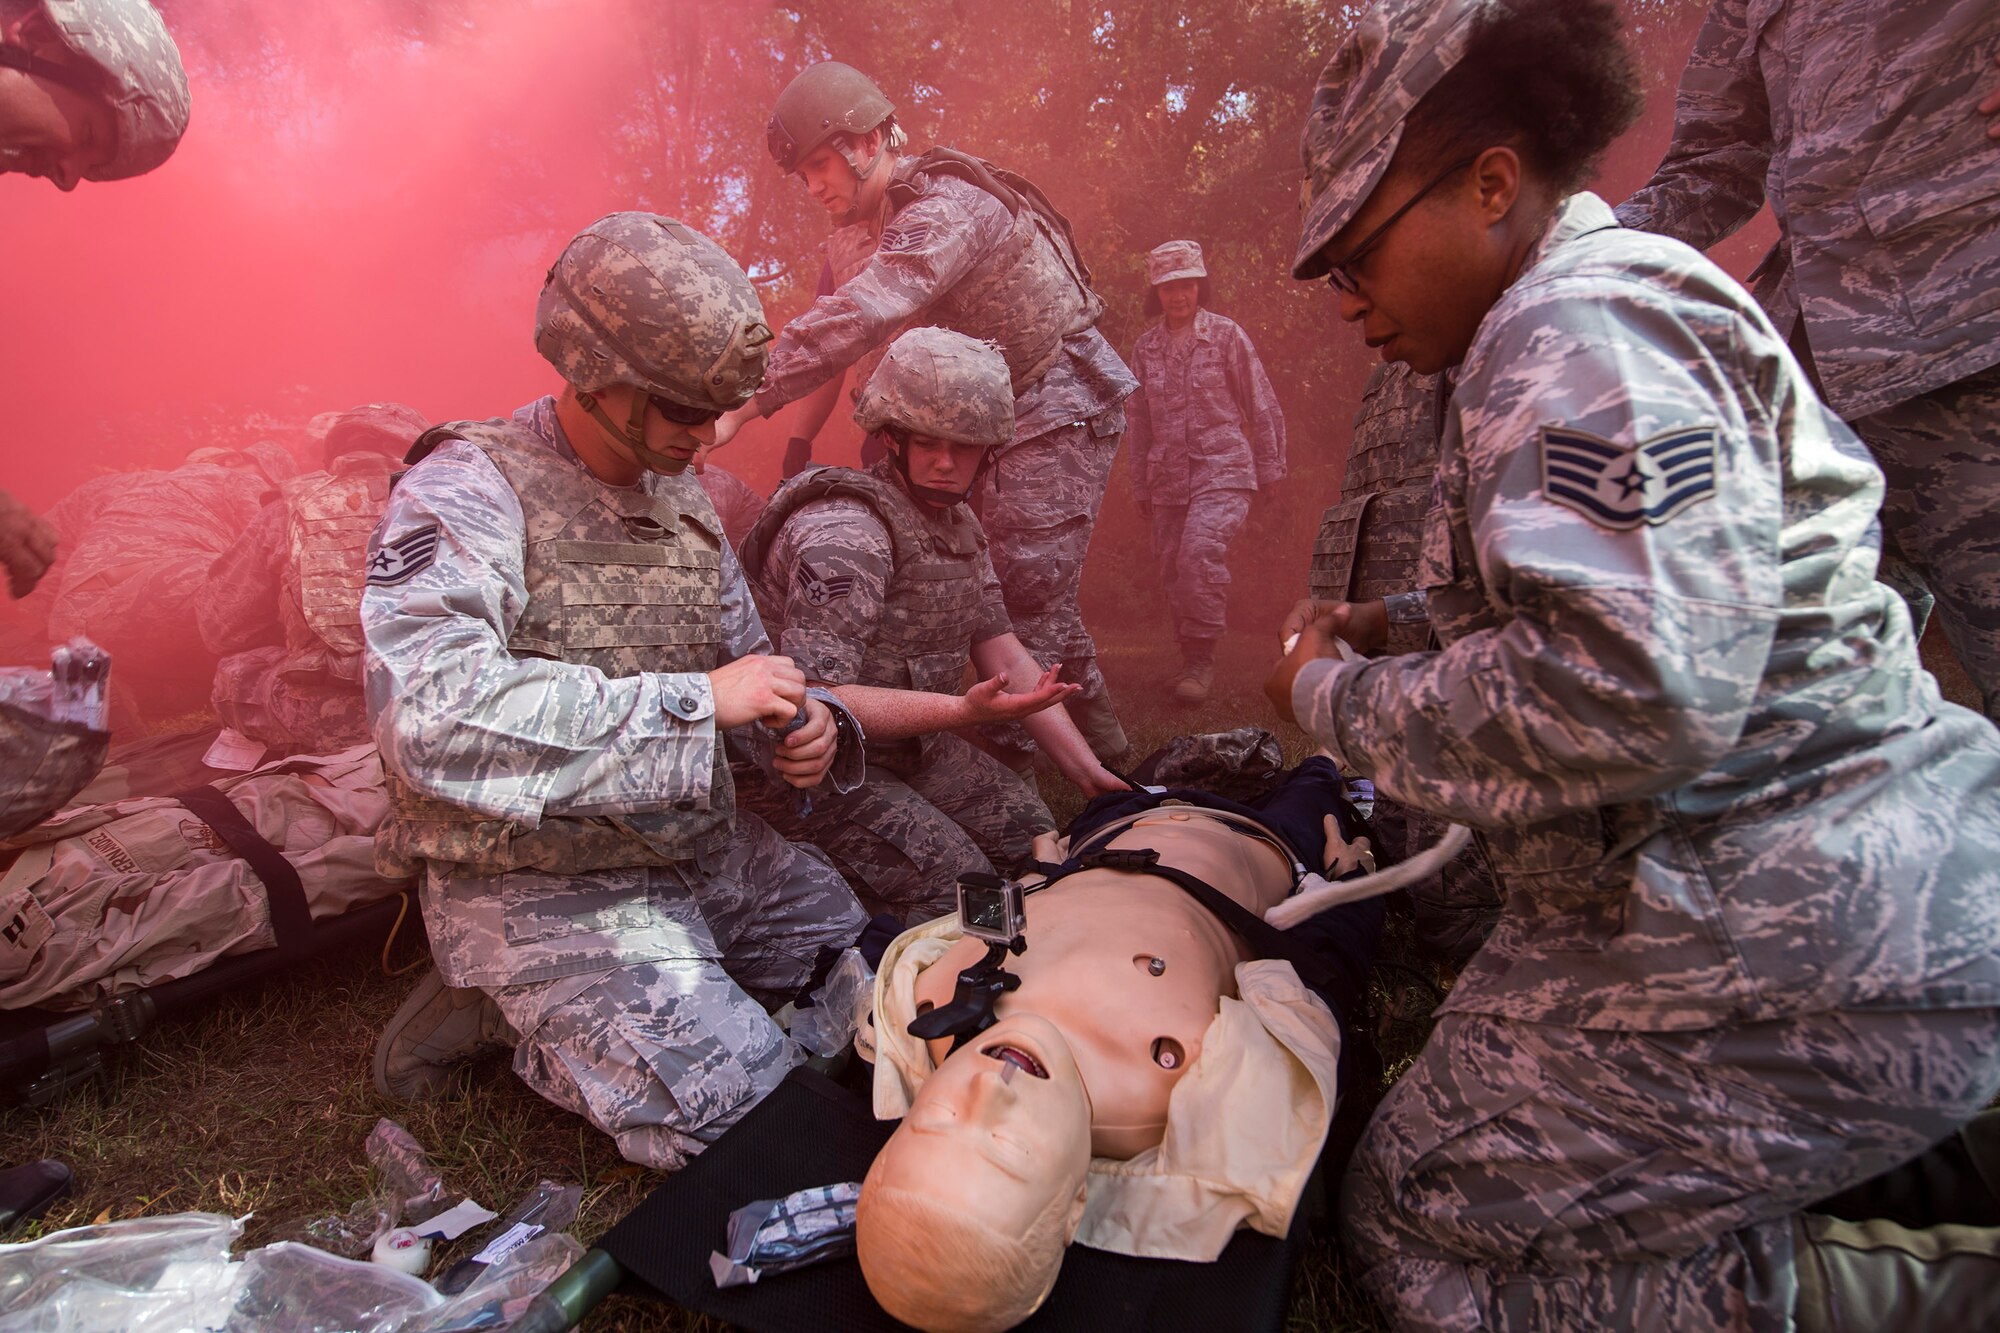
(991, 908)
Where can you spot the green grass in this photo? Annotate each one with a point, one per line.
(262, 1103)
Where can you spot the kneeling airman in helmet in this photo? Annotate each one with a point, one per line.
(559, 642)
(878, 584)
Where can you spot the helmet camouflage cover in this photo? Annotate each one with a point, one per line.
(127, 42)
(826, 99)
(941, 384)
(645, 300)
(1397, 52)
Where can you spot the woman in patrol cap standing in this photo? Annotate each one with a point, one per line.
(1751, 949)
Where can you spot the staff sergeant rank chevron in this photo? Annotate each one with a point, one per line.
(1621, 486)
(403, 559)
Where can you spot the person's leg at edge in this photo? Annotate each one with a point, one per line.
(1213, 520)
(1039, 504)
(1534, 1176)
(899, 853)
(1940, 457)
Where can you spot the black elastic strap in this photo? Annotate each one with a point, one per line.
(1263, 939)
(291, 918)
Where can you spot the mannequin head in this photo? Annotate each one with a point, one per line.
(966, 1211)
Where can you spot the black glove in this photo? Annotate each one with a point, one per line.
(798, 454)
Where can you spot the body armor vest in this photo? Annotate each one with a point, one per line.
(622, 579)
(1369, 542)
(924, 639)
(1032, 291)
(331, 515)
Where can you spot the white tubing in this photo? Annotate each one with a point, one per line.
(1302, 906)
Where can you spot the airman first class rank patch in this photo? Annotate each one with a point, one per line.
(1620, 486)
(403, 559)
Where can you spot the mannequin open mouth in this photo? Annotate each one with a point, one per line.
(1014, 1055)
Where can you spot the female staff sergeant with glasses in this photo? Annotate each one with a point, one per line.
(1750, 955)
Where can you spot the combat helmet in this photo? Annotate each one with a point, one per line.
(943, 385)
(645, 300)
(135, 68)
(826, 99)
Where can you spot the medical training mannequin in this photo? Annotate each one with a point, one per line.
(967, 1210)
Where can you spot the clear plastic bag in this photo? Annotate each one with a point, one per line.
(288, 1288)
(174, 1275)
(151, 1274)
(407, 1174)
(838, 1007)
(500, 1293)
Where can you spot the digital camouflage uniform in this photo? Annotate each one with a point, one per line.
(114, 898)
(1855, 119)
(954, 253)
(861, 585)
(538, 644)
(1751, 947)
(1206, 433)
(1367, 548)
(736, 502)
(283, 606)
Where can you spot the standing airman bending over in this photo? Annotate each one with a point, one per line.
(949, 239)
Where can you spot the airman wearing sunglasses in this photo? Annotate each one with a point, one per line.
(561, 650)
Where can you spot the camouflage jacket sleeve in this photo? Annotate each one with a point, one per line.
(1712, 179)
(834, 556)
(925, 249)
(1263, 419)
(238, 606)
(460, 718)
(994, 619)
(1591, 663)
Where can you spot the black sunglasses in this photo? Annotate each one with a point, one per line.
(1340, 277)
(683, 416)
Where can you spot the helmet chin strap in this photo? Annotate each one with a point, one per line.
(632, 434)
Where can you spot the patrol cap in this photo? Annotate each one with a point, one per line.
(645, 300)
(1174, 260)
(393, 422)
(942, 384)
(127, 42)
(1396, 54)
(824, 100)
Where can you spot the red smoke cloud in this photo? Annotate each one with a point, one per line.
(359, 211)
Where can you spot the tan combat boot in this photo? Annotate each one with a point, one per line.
(1195, 683)
(438, 1029)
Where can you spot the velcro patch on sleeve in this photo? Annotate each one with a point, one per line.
(819, 590)
(1620, 486)
(403, 559)
(904, 237)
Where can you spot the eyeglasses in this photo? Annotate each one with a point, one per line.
(1341, 276)
(683, 416)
